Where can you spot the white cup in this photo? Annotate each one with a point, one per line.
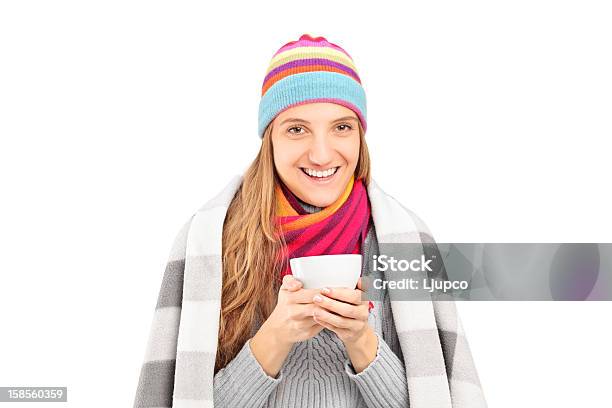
(333, 271)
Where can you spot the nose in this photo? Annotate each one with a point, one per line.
(321, 151)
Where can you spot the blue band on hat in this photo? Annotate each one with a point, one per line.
(302, 87)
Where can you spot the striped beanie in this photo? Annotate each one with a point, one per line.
(310, 70)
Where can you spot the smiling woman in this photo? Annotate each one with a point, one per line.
(234, 328)
(317, 147)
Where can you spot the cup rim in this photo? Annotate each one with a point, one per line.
(328, 255)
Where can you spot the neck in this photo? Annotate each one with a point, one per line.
(308, 207)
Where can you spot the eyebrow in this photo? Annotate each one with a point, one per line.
(307, 122)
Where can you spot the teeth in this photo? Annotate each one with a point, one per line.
(320, 174)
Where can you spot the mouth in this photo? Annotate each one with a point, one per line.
(320, 176)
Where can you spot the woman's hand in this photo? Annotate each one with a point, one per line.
(292, 319)
(342, 311)
(290, 322)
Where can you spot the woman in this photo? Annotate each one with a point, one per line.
(233, 328)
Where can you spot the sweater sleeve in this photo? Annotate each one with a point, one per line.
(383, 383)
(243, 383)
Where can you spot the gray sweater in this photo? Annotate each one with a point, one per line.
(318, 372)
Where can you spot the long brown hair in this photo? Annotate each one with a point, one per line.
(250, 250)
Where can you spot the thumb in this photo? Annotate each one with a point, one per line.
(286, 281)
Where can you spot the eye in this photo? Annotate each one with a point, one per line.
(295, 127)
(345, 125)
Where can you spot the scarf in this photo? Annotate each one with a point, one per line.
(339, 228)
(179, 361)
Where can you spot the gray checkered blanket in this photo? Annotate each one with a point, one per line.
(178, 367)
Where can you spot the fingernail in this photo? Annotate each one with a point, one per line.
(326, 290)
(318, 298)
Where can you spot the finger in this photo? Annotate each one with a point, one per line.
(340, 322)
(301, 311)
(290, 283)
(347, 310)
(286, 280)
(306, 323)
(302, 295)
(361, 284)
(328, 326)
(294, 285)
(352, 296)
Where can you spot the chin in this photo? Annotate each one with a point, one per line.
(322, 198)
(319, 202)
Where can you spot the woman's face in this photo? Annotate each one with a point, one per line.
(316, 148)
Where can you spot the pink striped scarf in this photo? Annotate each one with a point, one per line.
(339, 228)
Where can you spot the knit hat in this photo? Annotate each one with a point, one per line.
(310, 70)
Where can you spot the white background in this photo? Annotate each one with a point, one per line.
(119, 119)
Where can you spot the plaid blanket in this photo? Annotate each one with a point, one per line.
(178, 368)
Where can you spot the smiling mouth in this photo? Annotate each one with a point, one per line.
(320, 174)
